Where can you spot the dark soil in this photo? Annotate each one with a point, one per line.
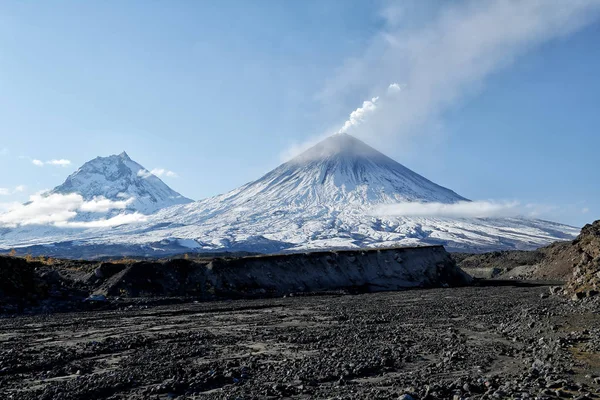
(474, 342)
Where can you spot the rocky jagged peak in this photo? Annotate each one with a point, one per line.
(118, 177)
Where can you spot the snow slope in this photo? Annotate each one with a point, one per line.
(322, 199)
(118, 177)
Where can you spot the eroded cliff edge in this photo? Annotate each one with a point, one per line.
(25, 283)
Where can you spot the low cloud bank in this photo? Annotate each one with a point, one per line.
(120, 219)
(462, 209)
(60, 210)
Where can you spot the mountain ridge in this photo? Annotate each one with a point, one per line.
(321, 199)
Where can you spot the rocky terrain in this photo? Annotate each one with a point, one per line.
(586, 274)
(43, 285)
(300, 326)
(576, 262)
(489, 342)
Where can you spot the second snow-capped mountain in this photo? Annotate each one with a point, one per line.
(119, 178)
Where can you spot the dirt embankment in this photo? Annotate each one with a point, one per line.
(576, 262)
(551, 263)
(586, 274)
(66, 282)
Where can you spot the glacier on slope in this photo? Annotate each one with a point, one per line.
(322, 199)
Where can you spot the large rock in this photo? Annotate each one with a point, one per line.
(586, 274)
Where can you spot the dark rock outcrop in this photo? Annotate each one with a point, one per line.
(576, 262)
(242, 277)
(585, 281)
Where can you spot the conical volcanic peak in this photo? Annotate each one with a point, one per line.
(339, 145)
(342, 170)
(118, 177)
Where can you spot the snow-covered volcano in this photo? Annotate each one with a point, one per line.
(119, 178)
(341, 170)
(324, 198)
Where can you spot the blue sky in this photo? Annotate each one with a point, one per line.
(219, 92)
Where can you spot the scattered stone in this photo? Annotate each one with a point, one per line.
(380, 346)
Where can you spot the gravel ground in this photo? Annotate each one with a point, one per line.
(474, 342)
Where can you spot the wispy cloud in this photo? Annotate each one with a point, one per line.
(55, 162)
(61, 163)
(9, 191)
(446, 58)
(121, 219)
(4, 151)
(297, 148)
(60, 210)
(157, 172)
(463, 209)
(395, 87)
(165, 172)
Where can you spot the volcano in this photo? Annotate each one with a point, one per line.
(343, 171)
(322, 199)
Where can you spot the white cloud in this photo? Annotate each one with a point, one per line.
(43, 210)
(8, 191)
(157, 172)
(165, 172)
(62, 162)
(585, 210)
(144, 173)
(121, 219)
(60, 209)
(395, 88)
(59, 163)
(447, 56)
(4, 151)
(463, 209)
(102, 205)
(8, 206)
